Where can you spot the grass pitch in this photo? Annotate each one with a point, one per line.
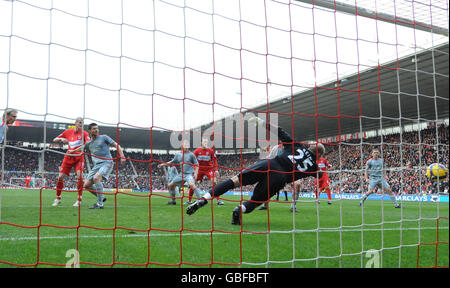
(140, 230)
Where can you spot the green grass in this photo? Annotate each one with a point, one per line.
(127, 233)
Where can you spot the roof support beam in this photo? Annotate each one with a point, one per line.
(350, 9)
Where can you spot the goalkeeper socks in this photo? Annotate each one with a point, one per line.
(207, 196)
(222, 188)
(59, 188)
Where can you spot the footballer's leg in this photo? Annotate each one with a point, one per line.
(59, 188)
(325, 186)
(88, 186)
(249, 176)
(79, 167)
(98, 187)
(386, 188)
(317, 190)
(197, 204)
(246, 207)
(191, 183)
(177, 181)
(79, 189)
(105, 170)
(191, 191)
(372, 186)
(64, 170)
(172, 191)
(90, 180)
(294, 201)
(218, 190)
(100, 199)
(328, 190)
(263, 207)
(212, 177)
(260, 196)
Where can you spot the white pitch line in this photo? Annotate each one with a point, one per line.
(177, 234)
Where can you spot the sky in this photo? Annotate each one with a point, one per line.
(177, 64)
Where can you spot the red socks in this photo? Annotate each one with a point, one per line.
(191, 192)
(80, 184)
(59, 187)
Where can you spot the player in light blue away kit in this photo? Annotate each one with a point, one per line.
(9, 117)
(188, 173)
(171, 172)
(103, 163)
(375, 174)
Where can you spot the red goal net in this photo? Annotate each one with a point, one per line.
(352, 75)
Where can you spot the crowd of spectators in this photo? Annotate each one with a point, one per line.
(406, 156)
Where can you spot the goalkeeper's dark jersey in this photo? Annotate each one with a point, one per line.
(295, 158)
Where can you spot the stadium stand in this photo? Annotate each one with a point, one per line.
(403, 156)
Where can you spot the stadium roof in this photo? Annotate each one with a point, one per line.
(33, 131)
(411, 90)
(383, 10)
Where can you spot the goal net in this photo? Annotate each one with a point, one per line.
(354, 75)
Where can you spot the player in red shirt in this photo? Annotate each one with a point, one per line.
(208, 167)
(74, 158)
(323, 182)
(27, 181)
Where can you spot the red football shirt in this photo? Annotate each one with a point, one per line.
(27, 180)
(206, 158)
(75, 139)
(323, 165)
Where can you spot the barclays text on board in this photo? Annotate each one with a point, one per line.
(354, 196)
(412, 198)
(346, 196)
